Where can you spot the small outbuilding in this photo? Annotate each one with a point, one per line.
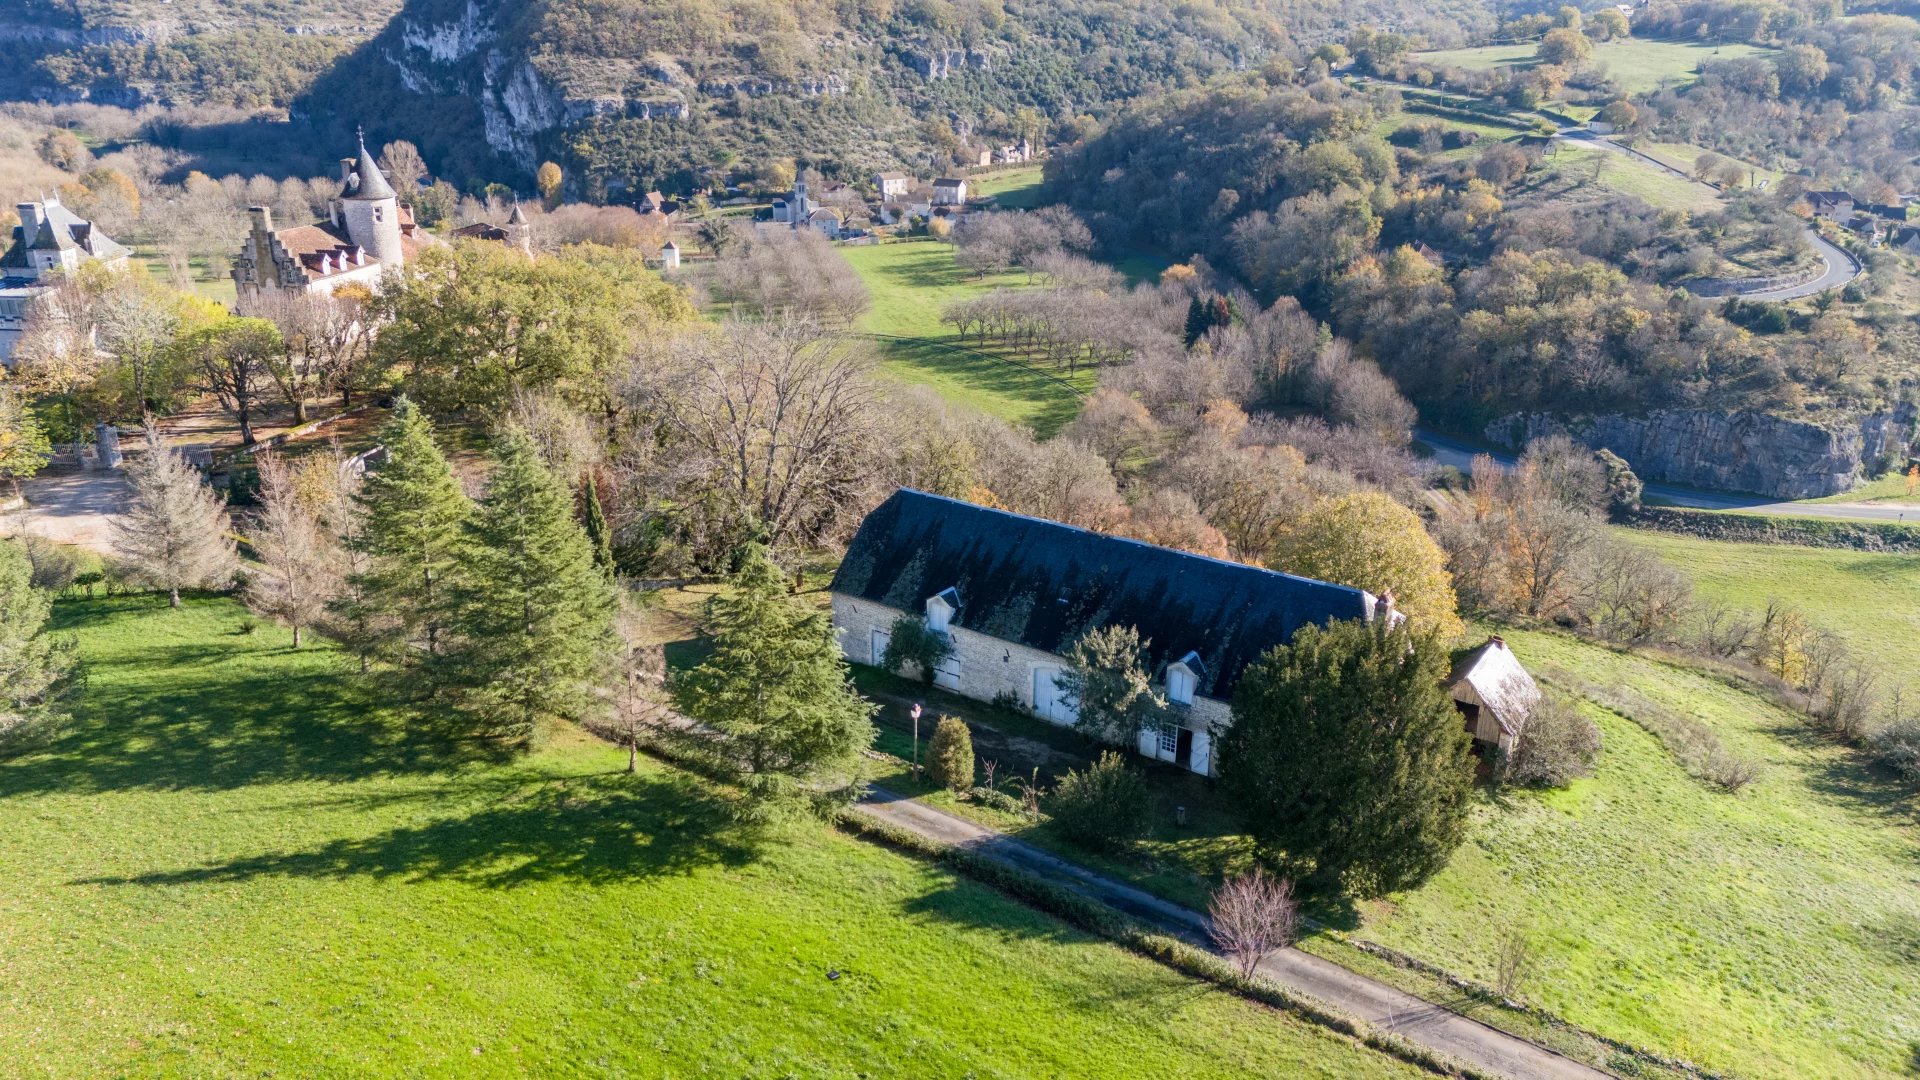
(1494, 693)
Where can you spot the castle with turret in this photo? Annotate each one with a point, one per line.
(367, 232)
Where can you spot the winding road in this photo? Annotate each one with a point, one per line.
(1840, 267)
(1460, 453)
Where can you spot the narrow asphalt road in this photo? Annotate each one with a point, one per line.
(1378, 1004)
(1460, 454)
(1840, 267)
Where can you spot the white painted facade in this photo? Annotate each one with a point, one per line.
(987, 668)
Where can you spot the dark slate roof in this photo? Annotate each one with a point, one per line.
(1043, 584)
(367, 181)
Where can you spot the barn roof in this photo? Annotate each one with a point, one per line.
(1498, 680)
(1042, 584)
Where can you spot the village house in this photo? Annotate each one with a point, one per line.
(670, 256)
(517, 232)
(1495, 695)
(1832, 205)
(892, 185)
(367, 232)
(50, 240)
(1012, 593)
(950, 191)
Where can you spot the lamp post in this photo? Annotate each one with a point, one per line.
(916, 739)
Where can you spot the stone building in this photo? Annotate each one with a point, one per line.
(366, 233)
(516, 233)
(1012, 593)
(49, 241)
(950, 191)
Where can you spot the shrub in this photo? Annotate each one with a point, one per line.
(996, 800)
(910, 642)
(950, 758)
(1104, 807)
(55, 566)
(1558, 745)
(1897, 746)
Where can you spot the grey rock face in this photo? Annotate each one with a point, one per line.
(1742, 451)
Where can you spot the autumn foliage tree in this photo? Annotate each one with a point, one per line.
(1368, 541)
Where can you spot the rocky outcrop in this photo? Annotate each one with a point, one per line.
(1743, 451)
(934, 64)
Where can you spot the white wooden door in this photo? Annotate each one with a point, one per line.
(877, 644)
(946, 674)
(1049, 701)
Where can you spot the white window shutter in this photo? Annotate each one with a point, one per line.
(1201, 759)
(1149, 742)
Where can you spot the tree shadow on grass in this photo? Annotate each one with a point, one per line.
(200, 714)
(596, 830)
(1846, 774)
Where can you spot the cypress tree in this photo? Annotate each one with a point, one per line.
(1196, 322)
(535, 613)
(411, 538)
(599, 535)
(777, 689)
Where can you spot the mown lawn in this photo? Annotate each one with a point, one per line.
(912, 284)
(1770, 933)
(1870, 599)
(1639, 65)
(234, 866)
(1628, 175)
(1773, 933)
(1017, 186)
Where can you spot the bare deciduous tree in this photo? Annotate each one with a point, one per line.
(300, 563)
(1252, 916)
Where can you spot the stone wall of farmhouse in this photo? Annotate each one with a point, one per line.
(989, 666)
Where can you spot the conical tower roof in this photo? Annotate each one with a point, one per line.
(519, 216)
(372, 185)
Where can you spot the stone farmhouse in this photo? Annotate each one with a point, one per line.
(892, 186)
(1012, 593)
(50, 240)
(367, 232)
(516, 233)
(950, 191)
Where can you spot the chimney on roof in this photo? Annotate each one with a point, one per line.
(1386, 604)
(1497, 641)
(346, 170)
(29, 223)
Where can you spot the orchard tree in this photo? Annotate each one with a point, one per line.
(175, 533)
(1347, 759)
(775, 691)
(535, 614)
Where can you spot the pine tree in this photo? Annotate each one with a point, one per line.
(536, 616)
(599, 535)
(38, 670)
(1196, 322)
(776, 689)
(176, 533)
(411, 538)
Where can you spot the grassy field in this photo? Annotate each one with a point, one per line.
(1017, 186)
(1772, 933)
(1683, 155)
(912, 283)
(213, 286)
(1639, 66)
(1628, 175)
(233, 866)
(1870, 599)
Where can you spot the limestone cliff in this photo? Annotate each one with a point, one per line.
(1744, 451)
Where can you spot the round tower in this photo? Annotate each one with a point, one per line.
(520, 231)
(372, 211)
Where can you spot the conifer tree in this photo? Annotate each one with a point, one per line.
(410, 534)
(599, 534)
(776, 689)
(536, 616)
(299, 563)
(176, 533)
(38, 670)
(950, 757)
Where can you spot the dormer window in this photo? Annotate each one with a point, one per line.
(941, 607)
(1183, 677)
